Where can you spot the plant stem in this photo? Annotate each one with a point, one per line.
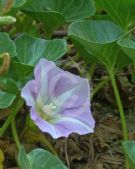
(5, 126)
(15, 108)
(91, 70)
(14, 131)
(120, 107)
(14, 111)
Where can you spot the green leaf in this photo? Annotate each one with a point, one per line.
(6, 99)
(7, 45)
(71, 9)
(23, 159)
(30, 49)
(39, 159)
(122, 60)
(18, 3)
(51, 20)
(42, 159)
(98, 39)
(83, 49)
(18, 71)
(8, 85)
(54, 13)
(129, 149)
(121, 12)
(128, 46)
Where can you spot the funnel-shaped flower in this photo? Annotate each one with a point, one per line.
(59, 101)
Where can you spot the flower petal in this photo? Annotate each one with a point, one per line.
(65, 125)
(70, 94)
(54, 83)
(41, 80)
(68, 125)
(74, 121)
(43, 125)
(44, 72)
(28, 93)
(76, 96)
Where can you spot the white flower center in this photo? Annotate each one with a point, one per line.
(49, 109)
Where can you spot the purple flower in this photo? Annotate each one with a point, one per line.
(59, 101)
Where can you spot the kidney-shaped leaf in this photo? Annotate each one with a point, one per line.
(122, 11)
(18, 71)
(23, 159)
(129, 149)
(7, 45)
(42, 159)
(9, 85)
(128, 46)
(97, 38)
(6, 99)
(39, 159)
(30, 49)
(70, 9)
(54, 13)
(51, 20)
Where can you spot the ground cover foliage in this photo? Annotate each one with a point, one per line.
(86, 50)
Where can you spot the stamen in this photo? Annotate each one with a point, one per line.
(49, 109)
